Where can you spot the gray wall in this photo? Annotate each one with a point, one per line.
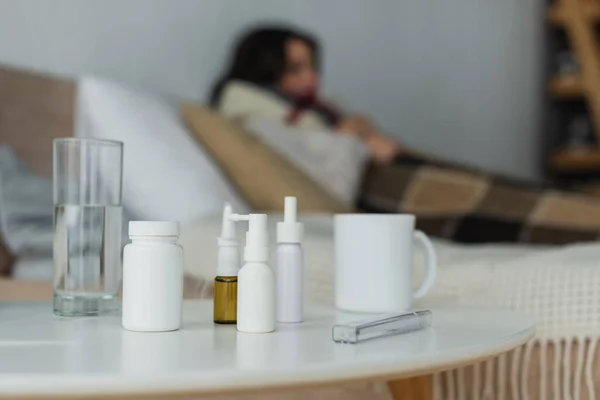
(460, 78)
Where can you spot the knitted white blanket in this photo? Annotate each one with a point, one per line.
(560, 286)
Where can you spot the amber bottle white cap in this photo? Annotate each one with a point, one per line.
(228, 255)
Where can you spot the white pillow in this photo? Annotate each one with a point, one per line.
(166, 174)
(334, 161)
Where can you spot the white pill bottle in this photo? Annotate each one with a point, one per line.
(152, 277)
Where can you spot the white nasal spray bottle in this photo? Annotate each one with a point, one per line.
(289, 268)
(256, 280)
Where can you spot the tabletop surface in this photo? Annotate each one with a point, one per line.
(42, 354)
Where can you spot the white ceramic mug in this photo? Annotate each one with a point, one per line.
(374, 262)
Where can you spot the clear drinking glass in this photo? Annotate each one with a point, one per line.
(87, 226)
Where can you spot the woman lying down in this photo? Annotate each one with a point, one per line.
(272, 84)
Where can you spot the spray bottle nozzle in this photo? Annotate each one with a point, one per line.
(228, 257)
(257, 237)
(239, 217)
(290, 210)
(228, 225)
(290, 230)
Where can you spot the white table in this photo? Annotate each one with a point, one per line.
(41, 354)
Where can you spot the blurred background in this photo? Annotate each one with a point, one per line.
(480, 117)
(462, 79)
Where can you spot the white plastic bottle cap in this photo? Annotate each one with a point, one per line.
(228, 236)
(290, 231)
(228, 254)
(153, 228)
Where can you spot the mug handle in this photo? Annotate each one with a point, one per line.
(431, 264)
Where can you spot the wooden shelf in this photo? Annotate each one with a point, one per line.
(557, 16)
(567, 87)
(579, 19)
(577, 160)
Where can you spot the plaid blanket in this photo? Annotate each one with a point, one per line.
(466, 205)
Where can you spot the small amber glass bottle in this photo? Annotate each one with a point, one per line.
(225, 300)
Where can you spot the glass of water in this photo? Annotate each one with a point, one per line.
(87, 226)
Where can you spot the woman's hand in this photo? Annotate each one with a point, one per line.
(382, 149)
(356, 125)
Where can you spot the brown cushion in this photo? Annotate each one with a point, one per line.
(262, 176)
(34, 110)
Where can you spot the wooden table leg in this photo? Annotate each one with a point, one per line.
(419, 388)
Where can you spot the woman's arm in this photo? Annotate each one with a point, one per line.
(382, 149)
